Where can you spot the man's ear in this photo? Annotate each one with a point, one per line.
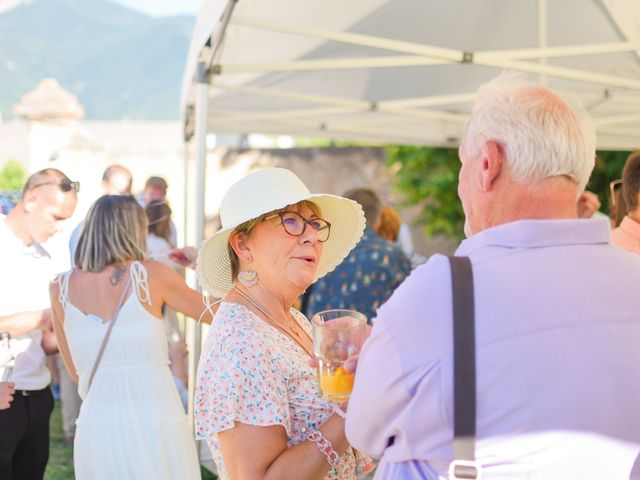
(30, 201)
(238, 242)
(491, 164)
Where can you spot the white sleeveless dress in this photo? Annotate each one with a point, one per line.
(132, 424)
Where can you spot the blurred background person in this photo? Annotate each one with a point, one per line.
(116, 180)
(159, 241)
(160, 248)
(369, 274)
(131, 423)
(391, 228)
(155, 191)
(627, 234)
(7, 387)
(588, 204)
(389, 225)
(49, 197)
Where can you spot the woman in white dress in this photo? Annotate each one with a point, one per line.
(131, 424)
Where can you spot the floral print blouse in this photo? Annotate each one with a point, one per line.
(251, 372)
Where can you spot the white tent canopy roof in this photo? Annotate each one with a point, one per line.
(404, 71)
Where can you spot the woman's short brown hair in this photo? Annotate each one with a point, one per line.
(631, 181)
(159, 216)
(246, 229)
(390, 222)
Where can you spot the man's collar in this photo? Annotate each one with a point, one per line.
(540, 233)
(35, 249)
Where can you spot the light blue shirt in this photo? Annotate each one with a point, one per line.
(558, 359)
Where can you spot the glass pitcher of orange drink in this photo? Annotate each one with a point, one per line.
(337, 337)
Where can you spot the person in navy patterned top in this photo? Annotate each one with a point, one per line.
(369, 275)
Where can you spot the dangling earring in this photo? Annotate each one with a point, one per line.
(248, 278)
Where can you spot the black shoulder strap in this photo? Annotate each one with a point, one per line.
(464, 364)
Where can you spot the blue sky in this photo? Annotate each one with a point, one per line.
(163, 7)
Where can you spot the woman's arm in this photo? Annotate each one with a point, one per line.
(260, 453)
(170, 288)
(24, 322)
(58, 320)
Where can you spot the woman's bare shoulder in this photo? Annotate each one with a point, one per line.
(153, 266)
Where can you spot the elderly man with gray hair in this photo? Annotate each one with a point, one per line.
(557, 318)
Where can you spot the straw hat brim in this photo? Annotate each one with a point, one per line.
(347, 220)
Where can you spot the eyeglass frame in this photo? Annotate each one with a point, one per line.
(305, 221)
(64, 185)
(613, 187)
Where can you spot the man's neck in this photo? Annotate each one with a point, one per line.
(16, 222)
(551, 199)
(634, 215)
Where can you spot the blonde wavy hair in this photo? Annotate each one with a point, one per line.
(115, 231)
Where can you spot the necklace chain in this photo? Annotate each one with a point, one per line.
(253, 302)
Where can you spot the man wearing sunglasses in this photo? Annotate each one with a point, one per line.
(49, 197)
(627, 235)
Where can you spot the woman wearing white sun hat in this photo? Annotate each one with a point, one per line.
(258, 404)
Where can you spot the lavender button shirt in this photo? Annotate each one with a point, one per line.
(558, 359)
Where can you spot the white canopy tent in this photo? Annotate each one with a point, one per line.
(397, 71)
(404, 71)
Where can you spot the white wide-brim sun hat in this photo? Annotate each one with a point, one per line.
(265, 191)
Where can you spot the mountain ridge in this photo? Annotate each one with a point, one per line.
(119, 62)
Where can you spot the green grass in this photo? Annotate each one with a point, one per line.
(207, 475)
(60, 466)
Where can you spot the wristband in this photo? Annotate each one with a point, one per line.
(338, 411)
(323, 445)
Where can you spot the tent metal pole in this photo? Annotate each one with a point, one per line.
(543, 53)
(626, 24)
(355, 105)
(624, 132)
(488, 59)
(542, 34)
(615, 119)
(194, 333)
(448, 54)
(380, 135)
(332, 64)
(564, 51)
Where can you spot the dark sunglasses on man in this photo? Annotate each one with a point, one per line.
(64, 185)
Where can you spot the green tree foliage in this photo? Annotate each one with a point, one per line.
(429, 177)
(608, 167)
(12, 176)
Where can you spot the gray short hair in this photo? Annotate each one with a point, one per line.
(369, 201)
(542, 134)
(115, 231)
